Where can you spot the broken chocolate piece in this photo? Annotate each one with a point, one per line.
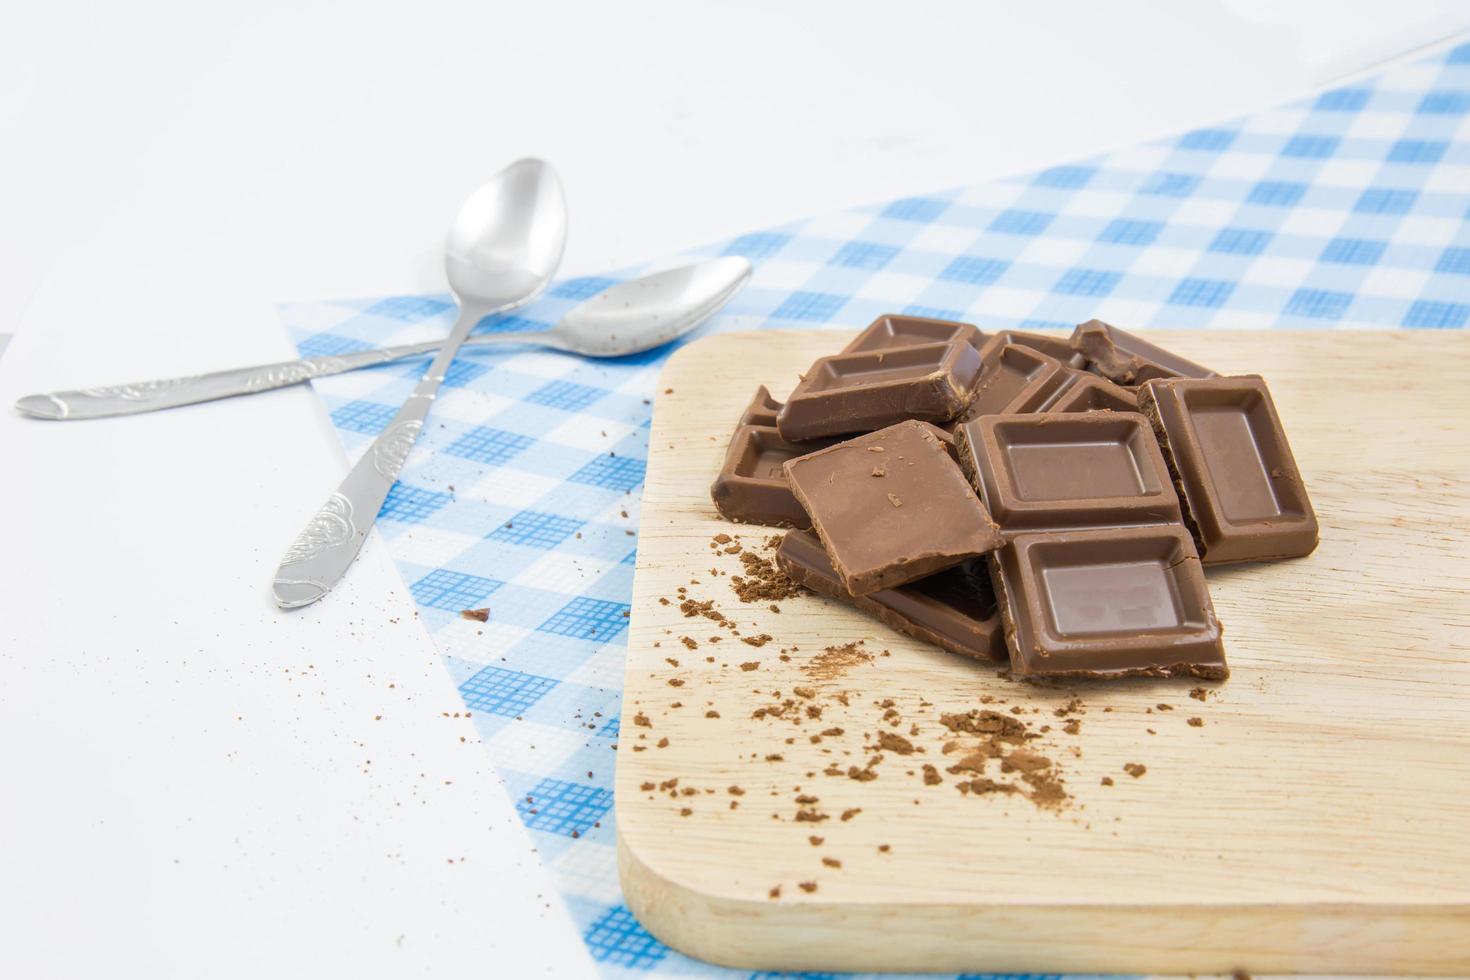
(1048, 472)
(891, 330)
(1107, 603)
(954, 609)
(1243, 494)
(762, 409)
(1090, 393)
(752, 487)
(860, 392)
(920, 517)
(1015, 379)
(1057, 347)
(1125, 359)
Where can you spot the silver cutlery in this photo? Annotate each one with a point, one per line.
(502, 250)
(627, 318)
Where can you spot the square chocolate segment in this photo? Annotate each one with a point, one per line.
(891, 507)
(1243, 494)
(1092, 469)
(1106, 604)
(1128, 360)
(1014, 379)
(891, 330)
(869, 390)
(954, 609)
(752, 487)
(762, 409)
(1090, 393)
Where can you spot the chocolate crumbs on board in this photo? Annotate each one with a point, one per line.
(834, 661)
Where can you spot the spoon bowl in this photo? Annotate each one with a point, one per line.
(649, 311)
(507, 239)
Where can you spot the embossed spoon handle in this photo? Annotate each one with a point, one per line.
(152, 396)
(326, 547)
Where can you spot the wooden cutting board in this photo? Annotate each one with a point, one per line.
(1315, 819)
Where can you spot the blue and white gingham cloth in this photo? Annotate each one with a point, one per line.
(1345, 210)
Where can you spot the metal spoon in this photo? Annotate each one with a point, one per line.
(630, 317)
(501, 251)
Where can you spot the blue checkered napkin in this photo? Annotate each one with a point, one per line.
(1348, 209)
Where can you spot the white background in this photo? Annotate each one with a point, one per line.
(192, 784)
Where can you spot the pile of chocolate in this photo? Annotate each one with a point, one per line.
(1020, 497)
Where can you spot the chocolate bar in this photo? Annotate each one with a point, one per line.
(752, 487)
(1243, 494)
(891, 331)
(891, 506)
(954, 609)
(1050, 472)
(762, 409)
(847, 393)
(1090, 393)
(1125, 359)
(1015, 379)
(1108, 603)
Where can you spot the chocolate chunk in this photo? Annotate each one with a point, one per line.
(752, 487)
(1015, 379)
(1106, 604)
(1057, 347)
(860, 392)
(954, 609)
(891, 331)
(1089, 393)
(874, 543)
(1243, 494)
(1128, 360)
(1048, 472)
(762, 409)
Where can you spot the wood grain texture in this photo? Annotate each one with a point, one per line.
(1317, 821)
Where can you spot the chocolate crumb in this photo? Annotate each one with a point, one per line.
(815, 841)
(831, 862)
(1107, 780)
(750, 665)
(893, 499)
(850, 813)
(478, 615)
(807, 886)
(1135, 769)
(774, 892)
(1199, 693)
(931, 776)
(884, 848)
(1196, 722)
(895, 743)
(641, 720)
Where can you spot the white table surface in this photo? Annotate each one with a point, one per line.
(194, 784)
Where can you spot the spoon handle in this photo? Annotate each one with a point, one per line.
(325, 548)
(151, 396)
